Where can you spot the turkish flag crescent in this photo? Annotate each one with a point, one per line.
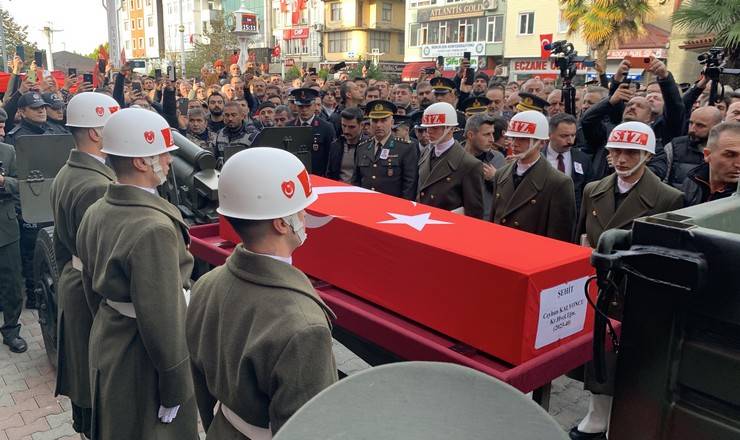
(545, 39)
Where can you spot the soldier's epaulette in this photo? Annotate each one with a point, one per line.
(16, 128)
(366, 142)
(398, 139)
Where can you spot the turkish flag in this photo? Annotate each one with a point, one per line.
(276, 51)
(474, 281)
(545, 39)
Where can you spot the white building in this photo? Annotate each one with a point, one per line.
(297, 28)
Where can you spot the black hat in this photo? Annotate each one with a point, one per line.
(31, 99)
(53, 100)
(399, 120)
(531, 102)
(482, 75)
(380, 109)
(475, 104)
(304, 96)
(266, 104)
(415, 118)
(442, 85)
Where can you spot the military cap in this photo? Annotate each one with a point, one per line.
(380, 109)
(31, 99)
(53, 100)
(399, 120)
(304, 96)
(442, 85)
(531, 102)
(3, 115)
(475, 104)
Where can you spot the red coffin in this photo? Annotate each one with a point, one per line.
(507, 293)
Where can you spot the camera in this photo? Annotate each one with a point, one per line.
(714, 57)
(713, 61)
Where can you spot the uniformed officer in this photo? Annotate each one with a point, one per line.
(236, 134)
(133, 249)
(10, 255)
(632, 191)
(323, 132)
(528, 193)
(55, 112)
(80, 183)
(449, 178)
(445, 91)
(531, 102)
(32, 109)
(259, 335)
(383, 163)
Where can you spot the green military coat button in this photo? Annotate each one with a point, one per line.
(375, 165)
(594, 212)
(373, 177)
(503, 221)
(533, 201)
(432, 196)
(516, 223)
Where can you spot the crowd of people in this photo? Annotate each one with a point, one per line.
(137, 365)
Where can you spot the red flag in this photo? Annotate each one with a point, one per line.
(545, 39)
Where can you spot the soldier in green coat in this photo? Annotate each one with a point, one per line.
(259, 336)
(79, 184)
(10, 254)
(135, 269)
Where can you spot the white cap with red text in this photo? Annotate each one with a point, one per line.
(529, 124)
(632, 135)
(440, 114)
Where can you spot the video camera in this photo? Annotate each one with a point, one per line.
(713, 61)
(566, 61)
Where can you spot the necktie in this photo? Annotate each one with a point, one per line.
(305, 124)
(561, 163)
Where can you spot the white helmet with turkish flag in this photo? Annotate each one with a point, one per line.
(440, 114)
(529, 124)
(135, 132)
(90, 110)
(632, 135)
(264, 183)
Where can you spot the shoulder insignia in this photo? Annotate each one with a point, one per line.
(16, 128)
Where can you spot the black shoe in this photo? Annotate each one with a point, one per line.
(575, 434)
(16, 344)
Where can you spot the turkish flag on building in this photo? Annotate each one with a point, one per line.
(545, 39)
(485, 285)
(276, 51)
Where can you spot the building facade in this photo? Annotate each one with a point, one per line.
(357, 30)
(138, 24)
(449, 28)
(298, 26)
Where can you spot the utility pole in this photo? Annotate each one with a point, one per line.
(49, 34)
(114, 46)
(2, 43)
(182, 44)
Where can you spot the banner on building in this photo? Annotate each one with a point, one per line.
(545, 39)
(299, 33)
(453, 49)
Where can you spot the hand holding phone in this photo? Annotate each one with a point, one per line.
(638, 62)
(21, 52)
(87, 77)
(38, 59)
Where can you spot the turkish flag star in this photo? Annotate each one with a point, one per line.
(418, 221)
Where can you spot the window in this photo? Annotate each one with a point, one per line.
(125, 25)
(381, 41)
(297, 47)
(495, 29)
(433, 33)
(134, 42)
(141, 43)
(128, 46)
(443, 37)
(141, 23)
(132, 4)
(424, 34)
(150, 21)
(151, 42)
(414, 34)
(138, 4)
(562, 23)
(420, 3)
(123, 5)
(466, 30)
(148, 2)
(336, 12)
(387, 12)
(526, 23)
(338, 42)
(401, 41)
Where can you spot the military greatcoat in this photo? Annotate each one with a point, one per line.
(10, 256)
(391, 170)
(133, 249)
(260, 343)
(80, 183)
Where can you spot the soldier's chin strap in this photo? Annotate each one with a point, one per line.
(533, 144)
(153, 161)
(643, 159)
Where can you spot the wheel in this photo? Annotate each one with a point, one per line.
(46, 277)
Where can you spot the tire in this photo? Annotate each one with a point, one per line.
(46, 277)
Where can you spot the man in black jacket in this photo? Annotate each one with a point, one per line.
(566, 158)
(343, 150)
(623, 105)
(718, 177)
(686, 152)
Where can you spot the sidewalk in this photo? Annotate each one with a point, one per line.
(29, 410)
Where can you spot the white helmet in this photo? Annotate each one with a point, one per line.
(135, 132)
(632, 135)
(439, 114)
(263, 183)
(90, 109)
(529, 124)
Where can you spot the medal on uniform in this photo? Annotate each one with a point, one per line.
(390, 172)
(384, 153)
(315, 144)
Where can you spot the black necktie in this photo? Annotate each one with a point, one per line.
(561, 164)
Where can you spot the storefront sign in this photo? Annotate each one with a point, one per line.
(538, 66)
(452, 49)
(300, 33)
(620, 54)
(475, 9)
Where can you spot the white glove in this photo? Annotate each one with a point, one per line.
(167, 415)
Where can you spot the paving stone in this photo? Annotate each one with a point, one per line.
(33, 415)
(14, 421)
(28, 405)
(65, 430)
(60, 419)
(39, 390)
(39, 425)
